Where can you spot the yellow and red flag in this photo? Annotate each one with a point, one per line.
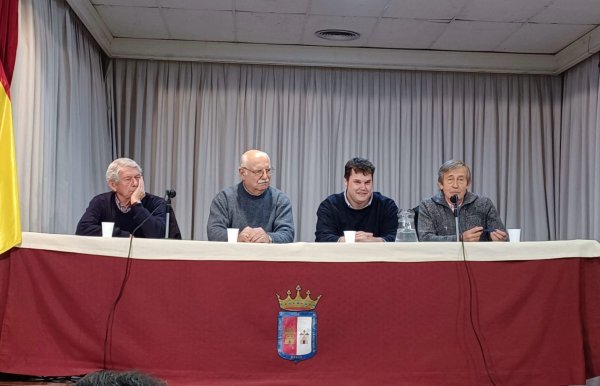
(10, 220)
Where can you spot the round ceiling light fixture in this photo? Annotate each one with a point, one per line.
(339, 35)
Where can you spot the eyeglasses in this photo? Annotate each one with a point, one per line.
(259, 173)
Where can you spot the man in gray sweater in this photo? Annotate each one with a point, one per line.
(478, 219)
(262, 213)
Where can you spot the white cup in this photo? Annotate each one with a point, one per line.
(350, 236)
(107, 229)
(232, 235)
(514, 235)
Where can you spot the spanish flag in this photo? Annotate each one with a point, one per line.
(10, 221)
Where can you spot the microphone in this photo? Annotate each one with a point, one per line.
(170, 193)
(454, 200)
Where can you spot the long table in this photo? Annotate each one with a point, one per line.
(202, 313)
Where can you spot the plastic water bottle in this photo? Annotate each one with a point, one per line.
(406, 226)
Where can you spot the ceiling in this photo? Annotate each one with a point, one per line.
(518, 36)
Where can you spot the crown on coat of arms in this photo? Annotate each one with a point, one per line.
(298, 303)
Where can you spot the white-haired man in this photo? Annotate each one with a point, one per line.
(127, 205)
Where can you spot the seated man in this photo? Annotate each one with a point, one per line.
(127, 205)
(357, 208)
(478, 218)
(262, 213)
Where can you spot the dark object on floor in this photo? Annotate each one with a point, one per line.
(119, 378)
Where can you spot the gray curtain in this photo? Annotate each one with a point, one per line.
(60, 115)
(578, 201)
(187, 124)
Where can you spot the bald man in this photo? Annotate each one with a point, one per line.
(262, 213)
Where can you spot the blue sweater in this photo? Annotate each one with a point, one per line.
(103, 208)
(234, 207)
(334, 217)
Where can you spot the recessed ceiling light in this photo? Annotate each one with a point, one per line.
(337, 34)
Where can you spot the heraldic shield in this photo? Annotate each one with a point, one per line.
(297, 327)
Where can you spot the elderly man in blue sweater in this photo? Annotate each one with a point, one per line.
(262, 213)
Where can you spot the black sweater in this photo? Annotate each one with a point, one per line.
(334, 217)
(104, 208)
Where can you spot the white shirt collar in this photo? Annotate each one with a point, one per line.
(348, 202)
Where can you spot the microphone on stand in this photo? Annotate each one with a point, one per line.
(169, 194)
(454, 200)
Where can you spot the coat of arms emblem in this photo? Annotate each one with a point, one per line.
(297, 326)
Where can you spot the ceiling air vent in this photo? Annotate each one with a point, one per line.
(339, 35)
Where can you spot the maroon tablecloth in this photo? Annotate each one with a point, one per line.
(215, 322)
